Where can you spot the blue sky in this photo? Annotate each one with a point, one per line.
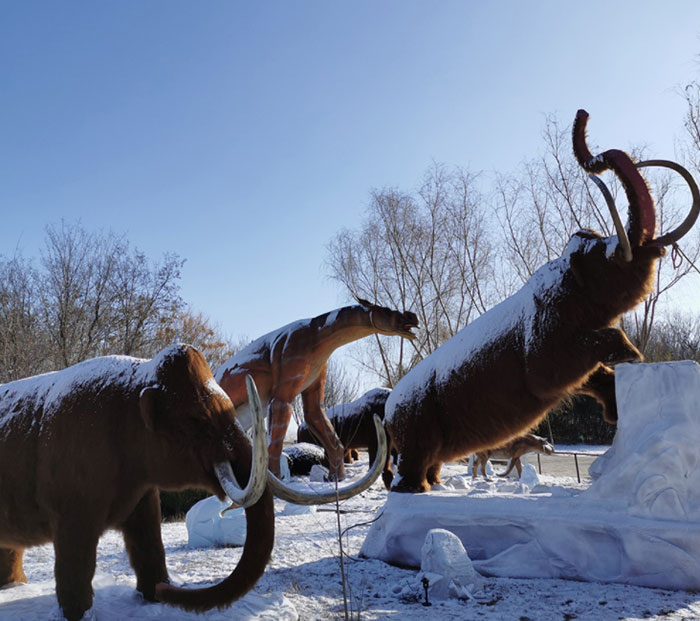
(243, 136)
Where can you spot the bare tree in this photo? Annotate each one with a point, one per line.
(676, 337)
(196, 329)
(96, 296)
(145, 300)
(427, 251)
(23, 346)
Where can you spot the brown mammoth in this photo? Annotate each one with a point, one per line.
(498, 376)
(87, 448)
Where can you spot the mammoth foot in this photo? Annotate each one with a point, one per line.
(11, 572)
(408, 486)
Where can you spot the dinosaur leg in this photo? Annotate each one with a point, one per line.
(280, 413)
(322, 428)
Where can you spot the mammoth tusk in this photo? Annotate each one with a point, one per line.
(621, 233)
(673, 236)
(258, 472)
(285, 492)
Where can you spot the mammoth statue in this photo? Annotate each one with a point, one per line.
(556, 336)
(87, 448)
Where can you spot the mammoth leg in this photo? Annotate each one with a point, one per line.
(75, 546)
(601, 385)
(433, 474)
(318, 422)
(11, 566)
(144, 545)
(413, 472)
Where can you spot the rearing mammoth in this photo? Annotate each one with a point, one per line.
(87, 448)
(498, 376)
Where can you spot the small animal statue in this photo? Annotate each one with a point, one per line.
(556, 336)
(513, 451)
(292, 360)
(353, 423)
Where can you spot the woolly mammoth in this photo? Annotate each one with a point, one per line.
(292, 360)
(87, 448)
(498, 377)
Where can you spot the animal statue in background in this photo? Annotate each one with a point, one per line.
(556, 336)
(353, 423)
(87, 448)
(292, 360)
(512, 452)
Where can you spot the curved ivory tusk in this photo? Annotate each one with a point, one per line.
(258, 473)
(621, 233)
(317, 498)
(673, 236)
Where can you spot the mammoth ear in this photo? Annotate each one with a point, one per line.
(576, 265)
(148, 406)
(364, 303)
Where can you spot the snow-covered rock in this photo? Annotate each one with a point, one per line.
(638, 523)
(207, 527)
(447, 566)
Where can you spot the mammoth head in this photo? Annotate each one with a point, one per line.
(188, 410)
(391, 322)
(642, 215)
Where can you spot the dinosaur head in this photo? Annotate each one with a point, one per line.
(391, 322)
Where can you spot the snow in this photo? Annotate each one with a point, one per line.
(516, 314)
(303, 579)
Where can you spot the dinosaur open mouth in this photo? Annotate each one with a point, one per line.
(408, 330)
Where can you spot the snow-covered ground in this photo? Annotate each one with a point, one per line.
(303, 580)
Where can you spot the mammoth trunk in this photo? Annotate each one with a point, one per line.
(256, 554)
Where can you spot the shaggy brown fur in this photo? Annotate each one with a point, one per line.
(292, 361)
(87, 448)
(513, 451)
(353, 423)
(553, 338)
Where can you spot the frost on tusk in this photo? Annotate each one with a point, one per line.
(258, 472)
(621, 233)
(316, 498)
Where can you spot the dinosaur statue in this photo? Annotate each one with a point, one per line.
(292, 360)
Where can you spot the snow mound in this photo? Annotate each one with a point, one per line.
(638, 523)
(207, 527)
(653, 462)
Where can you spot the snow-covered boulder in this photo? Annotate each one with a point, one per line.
(638, 523)
(447, 566)
(207, 527)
